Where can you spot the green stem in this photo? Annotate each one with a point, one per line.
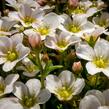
(38, 61)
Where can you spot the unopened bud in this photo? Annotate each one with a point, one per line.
(34, 40)
(42, 2)
(73, 3)
(45, 57)
(77, 67)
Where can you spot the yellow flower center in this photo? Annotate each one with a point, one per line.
(11, 56)
(103, 23)
(62, 43)
(43, 30)
(78, 10)
(2, 88)
(28, 101)
(100, 62)
(28, 20)
(31, 68)
(73, 28)
(64, 93)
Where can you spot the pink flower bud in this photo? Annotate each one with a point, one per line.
(73, 3)
(41, 2)
(77, 67)
(34, 40)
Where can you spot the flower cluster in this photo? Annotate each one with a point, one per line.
(54, 54)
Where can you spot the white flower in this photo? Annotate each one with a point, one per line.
(65, 85)
(30, 94)
(98, 56)
(26, 15)
(6, 86)
(5, 26)
(77, 26)
(12, 51)
(94, 99)
(46, 27)
(17, 3)
(93, 36)
(84, 8)
(102, 22)
(61, 41)
(30, 70)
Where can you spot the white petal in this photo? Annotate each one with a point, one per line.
(8, 66)
(9, 82)
(89, 102)
(20, 90)
(2, 60)
(98, 94)
(88, 27)
(84, 51)
(91, 11)
(53, 83)
(22, 51)
(78, 86)
(99, 48)
(103, 107)
(106, 71)
(43, 96)
(25, 11)
(34, 86)
(30, 74)
(17, 38)
(92, 68)
(10, 103)
(5, 43)
(67, 77)
(52, 20)
(35, 107)
(106, 95)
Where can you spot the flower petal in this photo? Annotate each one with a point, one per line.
(98, 94)
(34, 86)
(52, 83)
(92, 68)
(78, 86)
(20, 90)
(89, 102)
(8, 66)
(67, 77)
(43, 96)
(10, 103)
(106, 95)
(84, 51)
(9, 82)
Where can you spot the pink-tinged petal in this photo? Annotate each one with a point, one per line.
(9, 82)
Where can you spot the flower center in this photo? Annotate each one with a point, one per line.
(78, 10)
(100, 62)
(28, 20)
(103, 23)
(64, 93)
(62, 43)
(28, 101)
(43, 30)
(11, 56)
(31, 68)
(73, 28)
(2, 88)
